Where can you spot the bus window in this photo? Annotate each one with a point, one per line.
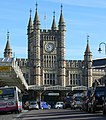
(6, 93)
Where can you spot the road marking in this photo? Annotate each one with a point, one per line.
(84, 116)
(18, 117)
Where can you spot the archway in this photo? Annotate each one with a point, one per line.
(53, 96)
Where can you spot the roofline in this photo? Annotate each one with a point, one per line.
(100, 59)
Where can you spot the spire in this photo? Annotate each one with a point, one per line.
(8, 50)
(87, 47)
(88, 53)
(54, 22)
(30, 25)
(61, 20)
(36, 19)
(8, 43)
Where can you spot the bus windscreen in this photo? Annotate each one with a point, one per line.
(6, 93)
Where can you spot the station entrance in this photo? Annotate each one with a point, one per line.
(53, 96)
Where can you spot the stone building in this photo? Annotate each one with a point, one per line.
(46, 57)
(46, 64)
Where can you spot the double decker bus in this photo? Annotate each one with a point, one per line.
(10, 99)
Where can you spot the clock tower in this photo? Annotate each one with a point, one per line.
(46, 52)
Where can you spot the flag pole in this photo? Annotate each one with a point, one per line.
(45, 24)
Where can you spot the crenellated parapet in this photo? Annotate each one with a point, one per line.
(22, 62)
(74, 63)
(48, 31)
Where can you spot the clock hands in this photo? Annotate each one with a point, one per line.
(49, 47)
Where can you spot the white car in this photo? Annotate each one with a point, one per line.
(33, 105)
(59, 105)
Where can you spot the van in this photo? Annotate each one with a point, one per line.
(97, 99)
(104, 103)
(104, 106)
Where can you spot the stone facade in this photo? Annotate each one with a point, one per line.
(46, 64)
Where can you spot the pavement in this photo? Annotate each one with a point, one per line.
(18, 117)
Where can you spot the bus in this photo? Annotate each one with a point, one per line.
(10, 99)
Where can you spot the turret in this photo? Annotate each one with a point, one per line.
(87, 80)
(88, 54)
(61, 51)
(61, 25)
(8, 50)
(36, 20)
(30, 25)
(34, 56)
(54, 23)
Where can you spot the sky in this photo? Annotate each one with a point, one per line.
(82, 18)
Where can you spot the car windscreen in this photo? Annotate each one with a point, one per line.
(99, 93)
(32, 102)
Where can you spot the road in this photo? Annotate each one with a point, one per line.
(53, 114)
(11, 116)
(7, 116)
(60, 114)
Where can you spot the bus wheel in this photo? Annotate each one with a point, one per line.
(17, 112)
(12, 112)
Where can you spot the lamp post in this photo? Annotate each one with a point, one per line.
(100, 47)
(105, 54)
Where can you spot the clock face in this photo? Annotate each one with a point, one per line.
(49, 47)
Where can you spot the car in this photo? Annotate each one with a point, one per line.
(77, 101)
(33, 105)
(59, 105)
(67, 102)
(44, 105)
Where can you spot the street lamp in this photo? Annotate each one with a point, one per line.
(100, 47)
(105, 54)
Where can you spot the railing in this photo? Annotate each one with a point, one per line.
(19, 74)
(35, 87)
(79, 88)
(57, 87)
